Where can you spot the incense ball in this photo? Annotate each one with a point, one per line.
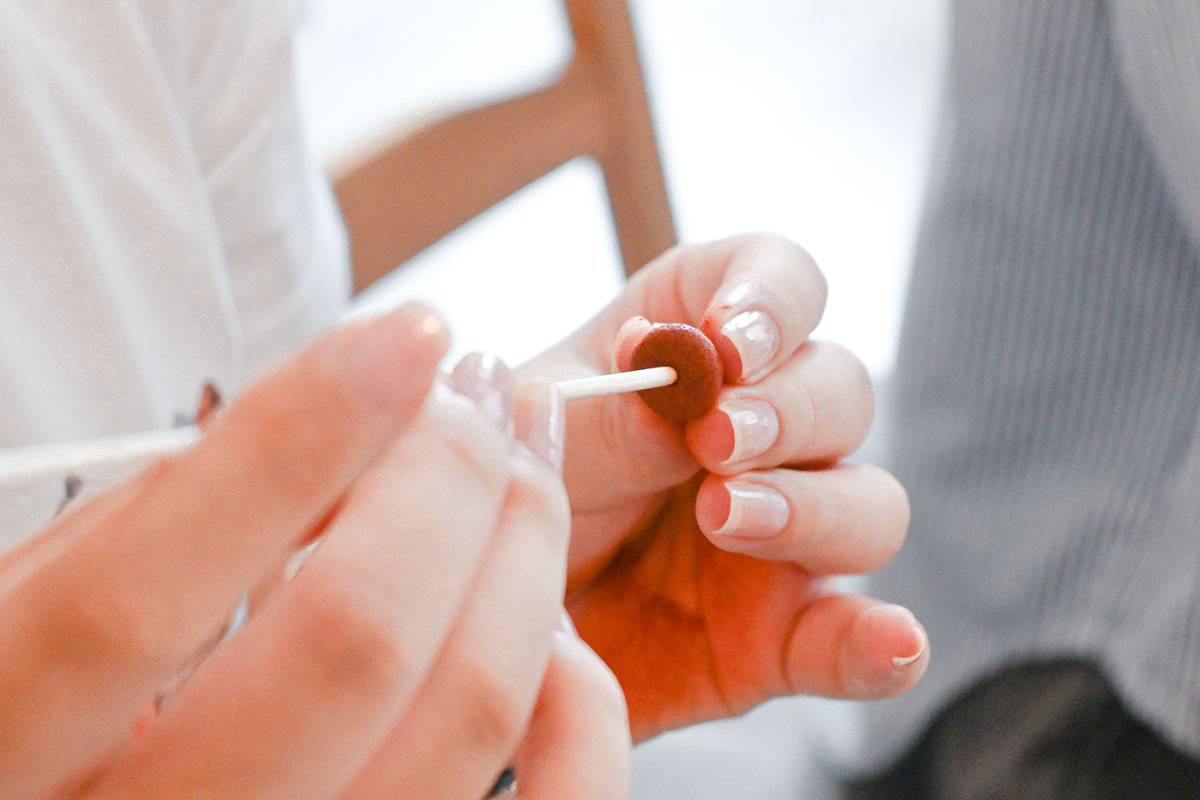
(697, 366)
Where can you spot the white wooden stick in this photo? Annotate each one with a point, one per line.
(58, 460)
(616, 383)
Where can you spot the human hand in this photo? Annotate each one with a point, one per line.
(417, 633)
(701, 555)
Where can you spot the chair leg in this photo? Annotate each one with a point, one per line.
(629, 156)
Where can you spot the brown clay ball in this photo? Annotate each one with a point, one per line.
(693, 357)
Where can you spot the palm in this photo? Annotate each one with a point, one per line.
(691, 632)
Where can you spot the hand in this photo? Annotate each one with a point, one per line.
(392, 660)
(700, 555)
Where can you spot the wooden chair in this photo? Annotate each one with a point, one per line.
(404, 190)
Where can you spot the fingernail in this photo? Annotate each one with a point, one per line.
(539, 421)
(755, 337)
(377, 357)
(905, 659)
(487, 382)
(755, 427)
(755, 511)
(565, 625)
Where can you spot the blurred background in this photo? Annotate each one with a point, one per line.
(808, 118)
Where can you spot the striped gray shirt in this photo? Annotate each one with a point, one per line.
(1047, 409)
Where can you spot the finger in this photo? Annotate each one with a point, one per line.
(76, 497)
(487, 382)
(759, 293)
(816, 408)
(96, 630)
(628, 337)
(469, 716)
(757, 296)
(848, 519)
(770, 300)
(578, 743)
(856, 648)
(312, 684)
(29, 555)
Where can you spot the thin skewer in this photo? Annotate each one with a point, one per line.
(56, 461)
(616, 383)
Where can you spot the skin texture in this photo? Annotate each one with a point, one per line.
(429, 614)
(698, 624)
(697, 367)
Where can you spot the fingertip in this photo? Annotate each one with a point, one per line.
(731, 359)
(488, 382)
(629, 336)
(712, 439)
(712, 505)
(886, 652)
(387, 362)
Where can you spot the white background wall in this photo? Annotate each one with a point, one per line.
(805, 117)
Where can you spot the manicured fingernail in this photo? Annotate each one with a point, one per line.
(539, 421)
(906, 659)
(488, 383)
(755, 427)
(755, 337)
(755, 511)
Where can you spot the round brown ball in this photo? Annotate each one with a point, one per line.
(696, 363)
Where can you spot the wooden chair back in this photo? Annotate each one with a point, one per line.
(410, 186)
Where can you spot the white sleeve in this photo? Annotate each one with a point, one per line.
(280, 229)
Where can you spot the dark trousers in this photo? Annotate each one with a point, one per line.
(1049, 731)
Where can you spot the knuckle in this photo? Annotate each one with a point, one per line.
(885, 525)
(101, 630)
(301, 459)
(896, 497)
(790, 255)
(853, 394)
(859, 384)
(607, 693)
(343, 631)
(826, 517)
(802, 422)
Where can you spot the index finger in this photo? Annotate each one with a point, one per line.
(757, 296)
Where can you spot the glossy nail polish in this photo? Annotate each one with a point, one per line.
(487, 382)
(755, 426)
(755, 511)
(755, 337)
